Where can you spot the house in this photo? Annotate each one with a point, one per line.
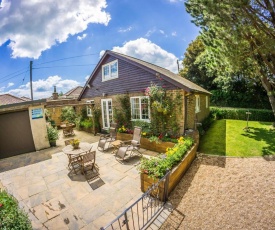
(56, 102)
(7, 99)
(119, 74)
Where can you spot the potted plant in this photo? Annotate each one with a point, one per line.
(75, 143)
(53, 135)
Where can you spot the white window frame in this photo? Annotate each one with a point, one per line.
(198, 104)
(140, 112)
(110, 76)
(89, 111)
(206, 102)
(109, 121)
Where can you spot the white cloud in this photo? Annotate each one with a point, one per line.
(161, 31)
(174, 34)
(43, 88)
(10, 84)
(125, 30)
(81, 37)
(145, 50)
(87, 77)
(150, 32)
(33, 26)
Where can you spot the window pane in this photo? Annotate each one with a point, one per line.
(114, 69)
(106, 71)
(144, 108)
(135, 108)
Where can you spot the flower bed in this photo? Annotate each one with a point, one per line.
(178, 159)
(146, 144)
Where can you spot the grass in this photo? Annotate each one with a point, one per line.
(228, 138)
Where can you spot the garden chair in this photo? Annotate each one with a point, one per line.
(88, 162)
(68, 142)
(132, 147)
(68, 131)
(106, 139)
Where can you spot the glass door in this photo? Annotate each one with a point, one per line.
(107, 112)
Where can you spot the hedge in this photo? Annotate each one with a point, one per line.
(240, 114)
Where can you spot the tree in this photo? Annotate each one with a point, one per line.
(194, 65)
(240, 32)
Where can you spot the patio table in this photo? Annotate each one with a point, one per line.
(76, 153)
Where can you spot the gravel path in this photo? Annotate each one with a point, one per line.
(225, 193)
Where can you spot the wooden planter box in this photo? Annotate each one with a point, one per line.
(175, 176)
(146, 144)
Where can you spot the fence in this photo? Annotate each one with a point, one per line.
(141, 213)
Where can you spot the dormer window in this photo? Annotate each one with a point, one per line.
(110, 71)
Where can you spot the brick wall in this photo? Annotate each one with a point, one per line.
(191, 114)
(116, 104)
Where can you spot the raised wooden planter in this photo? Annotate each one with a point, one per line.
(146, 144)
(175, 176)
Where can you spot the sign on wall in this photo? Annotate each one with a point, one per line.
(37, 113)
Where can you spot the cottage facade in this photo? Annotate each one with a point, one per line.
(118, 74)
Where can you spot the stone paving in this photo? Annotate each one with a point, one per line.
(54, 198)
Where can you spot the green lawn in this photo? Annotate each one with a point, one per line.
(228, 138)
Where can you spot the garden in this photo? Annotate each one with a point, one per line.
(228, 135)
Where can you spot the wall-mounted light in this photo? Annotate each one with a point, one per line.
(88, 85)
(104, 94)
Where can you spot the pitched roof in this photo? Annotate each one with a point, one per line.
(74, 92)
(167, 75)
(71, 94)
(26, 98)
(6, 99)
(185, 83)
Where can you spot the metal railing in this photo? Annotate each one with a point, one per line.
(140, 214)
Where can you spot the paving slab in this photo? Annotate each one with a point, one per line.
(56, 198)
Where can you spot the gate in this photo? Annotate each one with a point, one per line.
(142, 212)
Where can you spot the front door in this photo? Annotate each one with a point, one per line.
(107, 112)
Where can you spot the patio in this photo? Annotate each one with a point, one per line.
(55, 199)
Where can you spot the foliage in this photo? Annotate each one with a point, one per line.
(164, 108)
(52, 132)
(11, 217)
(228, 87)
(68, 114)
(123, 116)
(87, 123)
(240, 114)
(97, 114)
(47, 115)
(154, 138)
(156, 167)
(145, 126)
(122, 129)
(228, 138)
(242, 35)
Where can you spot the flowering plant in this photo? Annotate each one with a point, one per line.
(75, 143)
(122, 129)
(156, 167)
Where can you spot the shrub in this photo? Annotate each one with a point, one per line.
(11, 216)
(157, 167)
(68, 114)
(53, 134)
(240, 114)
(87, 123)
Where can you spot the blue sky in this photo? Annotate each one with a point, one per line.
(65, 39)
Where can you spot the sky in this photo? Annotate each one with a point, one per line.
(65, 39)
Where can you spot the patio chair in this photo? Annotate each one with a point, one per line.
(68, 142)
(106, 139)
(68, 131)
(88, 162)
(132, 147)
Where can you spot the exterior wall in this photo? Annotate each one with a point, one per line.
(116, 104)
(39, 129)
(130, 79)
(191, 115)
